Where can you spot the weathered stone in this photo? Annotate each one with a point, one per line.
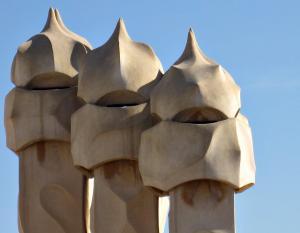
(51, 195)
(39, 115)
(173, 153)
(202, 206)
(52, 191)
(121, 203)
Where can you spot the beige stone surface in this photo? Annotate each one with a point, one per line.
(139, 133)
(105, 140)
(115, 82)
(202, 207)
(38, 111)
(120, 70)
(50, 59)
(173, 153)
(51, 195)
(38, 115)
(121, 203)
(201, 152)
(197, 86)
(104, 134)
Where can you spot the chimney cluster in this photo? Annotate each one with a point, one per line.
(111, 113)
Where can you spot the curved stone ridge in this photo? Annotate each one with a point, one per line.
(121, 67)
(51, 58)
(194, 81)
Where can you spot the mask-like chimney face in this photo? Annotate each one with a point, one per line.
(195, 89)
(51, 58)
(201, 135)
(120, 72)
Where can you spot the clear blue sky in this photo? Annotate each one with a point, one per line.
(257, 41)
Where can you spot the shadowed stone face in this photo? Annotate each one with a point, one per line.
(219, 151)
(38, 115)
(103, 134)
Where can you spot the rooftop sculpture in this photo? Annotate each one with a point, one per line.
(38, 128)
(111, 113)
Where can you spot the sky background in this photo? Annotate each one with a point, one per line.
(257, 41)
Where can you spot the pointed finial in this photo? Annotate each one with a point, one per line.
(67, 30)
(51, 20)
(120, 30)
(192, 50)
(59, 19)
(59, 45)
(192, 43)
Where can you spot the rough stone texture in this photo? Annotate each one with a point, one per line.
(217, 151)
(121, 203)
(202, 207)
(50, 59)
(195, 82)
(115, 82)
(104, 134)
(120, 71)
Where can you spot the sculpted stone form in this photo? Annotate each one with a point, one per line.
(51, 58)
(201, 152)
(121, 71)
(37, 121)
(202, 206)
(115, 81)
(44, 113)
(220, 151)
(115, 137)
(195, 86)
(139, 133)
